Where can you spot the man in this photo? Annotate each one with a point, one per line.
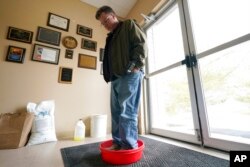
(124, 55)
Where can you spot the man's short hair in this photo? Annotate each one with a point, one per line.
(103, 9)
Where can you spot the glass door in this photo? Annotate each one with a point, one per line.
(197, 73)
(171, 112)
(222, 45)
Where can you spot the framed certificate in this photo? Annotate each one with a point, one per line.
(20, 35)
(65, 75)
(89, 44)
(59, 22)
(86, 61)
(48, 36)
(46, 54)
(69, 54)
(84, 31)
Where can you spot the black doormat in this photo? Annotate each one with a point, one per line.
(155, 154)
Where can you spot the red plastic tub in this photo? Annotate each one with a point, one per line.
(121, 157)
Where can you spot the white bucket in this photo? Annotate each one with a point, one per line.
(98, 125)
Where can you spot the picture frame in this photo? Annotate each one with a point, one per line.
(15, 54)
(58, 22)
(69, 42)
(65, 75)
(101, 54)
(48, 36)
(69, 54)
(45, 54)
(86, 61)
(101, 69)
(84, 31)
(89, 44)
(21, 35)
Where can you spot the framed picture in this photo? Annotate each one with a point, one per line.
(101, 54)
(69, 42)
(46, 54)
(59, 22)
(89, 44)
(69, 54)
(48, 36)
(15, 54)
(20, 35)
(84, 31)
(101, 69)
(86, 61)
(65, 75)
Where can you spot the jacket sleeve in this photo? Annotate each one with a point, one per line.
(138, 44)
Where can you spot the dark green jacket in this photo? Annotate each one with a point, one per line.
(126, 44)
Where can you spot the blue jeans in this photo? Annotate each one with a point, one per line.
(125, 98)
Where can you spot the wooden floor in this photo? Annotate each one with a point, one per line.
(48, 155)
